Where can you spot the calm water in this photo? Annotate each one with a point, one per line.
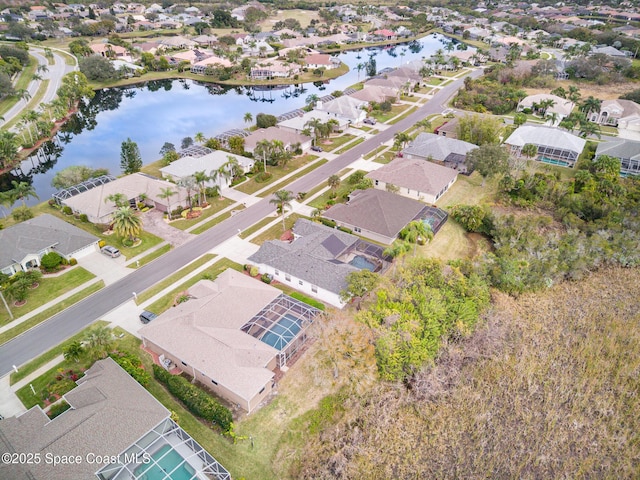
(167, 111)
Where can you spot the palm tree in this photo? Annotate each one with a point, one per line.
(282, 199)
(126, 223)
(315, 125)
(199, 137)
(188, 183)
(263, 149)
(74, 351)
(166, 193)
(201, 178)
(22, 191)
(118, 199)
(423, 124)
(401, 139)
(359, 68)
(99, 340)
(552, 118)
(574, 94)
(529, 150)
(591, 104)
(232, 167)
(333, 182)
(312, 99)
(248, 118)
(396, 250)
(22, 94)
(416, 231)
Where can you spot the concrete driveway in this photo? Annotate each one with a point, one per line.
(102, 266)
(153, 222)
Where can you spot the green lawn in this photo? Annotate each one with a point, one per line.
(158, 287)
(50, 288)
(409, 111)
(152, 256)
(434, 81)
(28, 368)
(298, 174)
(386, 157)
(48, 313)
(358, 141)
(153, 168)
(275, 232)
(210, 273)
(383, 117)
(24, 78)
(251, 186)
(216, 205)
(331, 144)
(256, 226)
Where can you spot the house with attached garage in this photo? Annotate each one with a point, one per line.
(414, 178)
(288, 138)
(22, 246)
(232, 335)
(318, 259)
(113, 430)
(627, 151)
(381, 215)
(450, 151)
(555, 146)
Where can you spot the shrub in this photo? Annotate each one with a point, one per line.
(67, 210)
(51, 261)
(133, 366)
(345, 229)
(20, 214)
(177, 211)
(83, 218)
(327, 222)
(254, 271)
(101, 243)
(194, 398)
(356, 177)
(52, 202)
(262, 177)
(57, 409)
(246, 267)
(266, 278)
(308, 301)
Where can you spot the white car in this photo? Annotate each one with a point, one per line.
(113, 252)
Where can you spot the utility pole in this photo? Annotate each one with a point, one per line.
(6, 305)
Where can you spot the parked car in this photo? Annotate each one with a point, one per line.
(113, 252)
(370, 121)
(146, 316)
(316, 148)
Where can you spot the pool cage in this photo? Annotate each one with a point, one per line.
(167, 452)
(434, 217)
(224, 137)
(195, 151)
(282, 324)
(374, 253)
(74, 190)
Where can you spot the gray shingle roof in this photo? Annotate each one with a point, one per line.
(619, 149)
(36, 234)
(110, 412)
(310, 257)
(439, 148)
(377, 211)
(420, 175)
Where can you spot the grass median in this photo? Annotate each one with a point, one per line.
(158, 287)
(48, 313)
(299, 174)
(149, 258)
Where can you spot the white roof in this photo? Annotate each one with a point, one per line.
(562, 106)
(187, 166)
(548, 136)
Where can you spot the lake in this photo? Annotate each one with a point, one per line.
(169, 110)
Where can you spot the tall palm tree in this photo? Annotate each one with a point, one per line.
(22, 191)
(166, 194)
(263, 149)
(188, 183)
(126, 223)
(201, 178)
(248, 118)
(333, 182)
(401, 139)
(22, 94)
(199, 137)
(529, 150)
(315, 125)
(312, 99)
(395, 251)
(99, 340)
(416, 231)
(282, 199)
(591, 104)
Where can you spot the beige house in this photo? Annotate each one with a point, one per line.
(624, 114)
(232, 336)
(419, 179)
(95, 203)
(288, 138)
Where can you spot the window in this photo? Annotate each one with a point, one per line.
(357, 229)
(214, 382)
(300, 282)
(184, 364)
(261, 390)
(377, 183)
(408, 191)
(287, 277)
(277, 273)
(314, 288)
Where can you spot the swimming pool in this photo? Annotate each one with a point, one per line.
(167, 465)
(282, 332)
(551, 161)
(362, 262)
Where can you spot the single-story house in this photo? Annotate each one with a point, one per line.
(187, 166)
(347, 107)
(385, 33)
(214, 61)
(114, 427)
(178, 42)
(288, 138)
(624, 114)
(381, 215)
(318, 260)
(561, 107)
(414, 178)
(377, 94)
(627, 151)
(110, 51)
(206, 40)
(273, 68)
(555, 146)
(232, 335)
(22, 246)
(450, 151)
(299, 123)
(95, 205)
(321, 60)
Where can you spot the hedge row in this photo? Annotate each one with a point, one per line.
(133, 366)
(196, 400)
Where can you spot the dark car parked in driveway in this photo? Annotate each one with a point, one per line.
(316, 148)
(146, 316)
(370, 121)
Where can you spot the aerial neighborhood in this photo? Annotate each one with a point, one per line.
(296, 241)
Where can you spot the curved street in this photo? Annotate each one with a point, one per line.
(63, 325)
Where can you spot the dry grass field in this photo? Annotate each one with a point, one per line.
(547, 387)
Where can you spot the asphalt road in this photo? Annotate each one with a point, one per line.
(65, 324)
